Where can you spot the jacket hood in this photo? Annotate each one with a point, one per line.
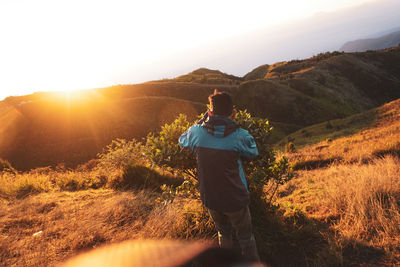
(219, 126)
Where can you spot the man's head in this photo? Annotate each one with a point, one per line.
(221, 103)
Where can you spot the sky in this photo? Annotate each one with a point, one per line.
(51, 45)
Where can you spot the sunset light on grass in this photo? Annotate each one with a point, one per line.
(259, 132)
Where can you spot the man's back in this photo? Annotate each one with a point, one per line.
(219, 144)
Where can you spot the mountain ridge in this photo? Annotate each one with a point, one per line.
(50, 128)
(361, 45)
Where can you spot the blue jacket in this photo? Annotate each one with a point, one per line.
(219, 144)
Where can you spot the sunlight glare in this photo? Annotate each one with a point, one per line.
(66, 45)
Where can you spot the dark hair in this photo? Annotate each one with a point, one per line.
(221, 103)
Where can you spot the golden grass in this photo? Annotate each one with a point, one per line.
(366, 199)
(137, 176)
(359, 202)
(67, 223)
(303, 70)
(381, 138)
(352, 186)
(20, 185)
(337, 214)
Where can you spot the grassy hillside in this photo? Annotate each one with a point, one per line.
(324, 87)
(342, 209)
(330, 130)
(46, 128)
(350, 181)
(356, 139)
(191, 91)
(72, 131)
(207, 76)
(49, 128)
(258, 73)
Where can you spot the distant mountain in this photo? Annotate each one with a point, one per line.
(323, 87)
(361, 45)
(300, 39)
(49, 128)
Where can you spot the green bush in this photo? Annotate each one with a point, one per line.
(163, 149)
(121, 153)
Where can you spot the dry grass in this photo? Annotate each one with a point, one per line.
(381, 138)
(338, 212)
(71, 222)
(20, 185)
(352, 186)
(366, 199)
(360, 204)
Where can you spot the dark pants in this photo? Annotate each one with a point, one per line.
(240, 221)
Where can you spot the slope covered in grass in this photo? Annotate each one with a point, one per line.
(343, 212)
(46, 129)
(358, 204)
(207, 76)
(359, 138)
(324, 87)
(330, 130)
(72, 131)
(350, 181)
(67, 223)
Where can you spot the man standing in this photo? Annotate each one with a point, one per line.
(219, 144)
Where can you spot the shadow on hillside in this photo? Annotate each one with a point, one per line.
(298, 240)
(359, 254)
(392, 151)
(315, 164)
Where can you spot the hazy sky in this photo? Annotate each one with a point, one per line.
(75, 44)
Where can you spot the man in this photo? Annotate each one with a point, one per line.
(219, 144)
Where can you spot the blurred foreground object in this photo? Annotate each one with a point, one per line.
(160, 253)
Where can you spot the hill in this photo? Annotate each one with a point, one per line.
(49, 128)
(74, 130)
(357, 139)
(324, 87)
(337, 211)
(207, 76)
(361, 45)
(348, 178)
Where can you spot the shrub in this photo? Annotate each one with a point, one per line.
(266, 169)
(120, 153)
(163, 149)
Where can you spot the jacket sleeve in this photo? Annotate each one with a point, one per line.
(247, 145)
(186, 139)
